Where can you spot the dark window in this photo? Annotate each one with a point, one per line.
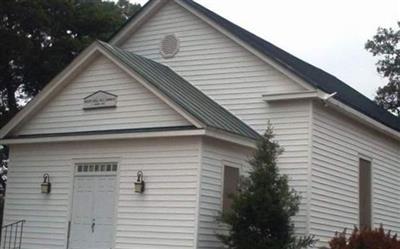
(365, 193)
(231, 181)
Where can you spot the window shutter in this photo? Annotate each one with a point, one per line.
(365, 193)
(231, 181)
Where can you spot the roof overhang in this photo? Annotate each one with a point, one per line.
(329, 101)
(63, 138)
(364, 119)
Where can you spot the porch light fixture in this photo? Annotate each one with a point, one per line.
(139, 184)
(46, 185)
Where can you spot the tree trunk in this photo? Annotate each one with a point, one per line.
(11, 101)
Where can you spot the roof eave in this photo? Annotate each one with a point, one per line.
(102, 137)
(364, 119)
(232, 138)
(329, 100)
(63, 138)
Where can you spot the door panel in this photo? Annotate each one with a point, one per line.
(93, 212)
(104, 212)
(82, 213)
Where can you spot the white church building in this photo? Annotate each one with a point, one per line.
(137, 143)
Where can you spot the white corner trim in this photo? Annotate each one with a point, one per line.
(198, 193)
(310, 166)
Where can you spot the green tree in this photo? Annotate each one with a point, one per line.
(261, 211)
(385, 44)
(40, 37)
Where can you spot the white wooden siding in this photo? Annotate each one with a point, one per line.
(214, 156)
(294, 162)
(163, 217)
(137, 107)
(338, 143)
(291, 122)
(236, 79)
(219, 67)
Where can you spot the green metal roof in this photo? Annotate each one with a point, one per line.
(183, 93)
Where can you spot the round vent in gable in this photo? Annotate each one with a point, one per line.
(169, 46)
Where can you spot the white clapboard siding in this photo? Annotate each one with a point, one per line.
(163, 217)
(137, 107)
(338, 143)
(212, 62)
(291, 122)
(236, 79)
(214, 156)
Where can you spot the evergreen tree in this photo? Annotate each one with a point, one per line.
(260, 215)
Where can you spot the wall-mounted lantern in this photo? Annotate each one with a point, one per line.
(139, 184)
(46, 185)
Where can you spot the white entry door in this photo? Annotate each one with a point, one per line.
(92, 223)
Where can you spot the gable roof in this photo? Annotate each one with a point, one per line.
(311, 74)
(190, 102)
(183, 93)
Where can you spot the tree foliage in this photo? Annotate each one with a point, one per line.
(385, 44)
(260, 216)
(40, 37)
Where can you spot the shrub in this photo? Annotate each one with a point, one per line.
(365, 239)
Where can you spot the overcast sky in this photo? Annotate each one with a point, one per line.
(329, 34)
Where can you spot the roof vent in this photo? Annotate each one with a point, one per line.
(169, 46)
